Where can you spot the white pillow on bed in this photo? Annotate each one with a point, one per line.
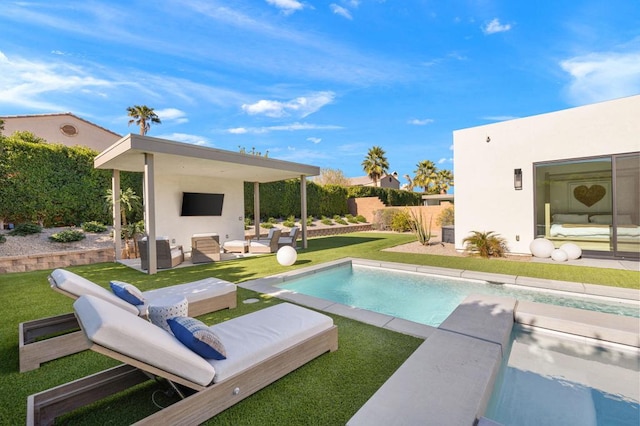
(570, 218)
(601, 219)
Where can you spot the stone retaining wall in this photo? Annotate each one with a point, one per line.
(61, 259)
(337, 229)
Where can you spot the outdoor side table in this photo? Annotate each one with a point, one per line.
(163, 308)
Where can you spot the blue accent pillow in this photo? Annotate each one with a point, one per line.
(127, 292)
(198, 337)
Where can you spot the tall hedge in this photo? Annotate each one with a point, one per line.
(389, 196)
(282, 199)
(54, 185)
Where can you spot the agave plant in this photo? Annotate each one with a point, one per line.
(420, 228)
(486, 244)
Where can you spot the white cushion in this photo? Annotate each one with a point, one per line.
(570, 218)
(78, 286)
(111, 327)
(254, 337)
(194, 291)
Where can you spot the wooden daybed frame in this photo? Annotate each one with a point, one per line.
(34, 348)
(204, 403)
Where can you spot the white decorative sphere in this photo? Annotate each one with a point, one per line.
(286, 255)
(559, 255)
(541, 247)
(572, 250)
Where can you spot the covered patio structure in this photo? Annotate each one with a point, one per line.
(171, 168)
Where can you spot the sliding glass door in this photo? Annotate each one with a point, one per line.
(626, 232)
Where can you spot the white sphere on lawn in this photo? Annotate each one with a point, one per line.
(286, 255)
(541, 247)
(572, 250)
(559, 255)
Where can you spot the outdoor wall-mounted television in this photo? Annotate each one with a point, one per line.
(201, 204)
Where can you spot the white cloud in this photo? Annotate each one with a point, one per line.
(445, 160)
(186, 138)
(287, 6)
(26, 83)
(602, 76)
(282, 128)
(339, 10)
(314, 140)
(300, 107)
(172, 114)
(421, 122)
(495, 27)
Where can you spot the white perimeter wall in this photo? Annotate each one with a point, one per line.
(485, 196)
(169, 189)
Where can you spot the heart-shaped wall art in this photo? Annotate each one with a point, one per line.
(589, 195)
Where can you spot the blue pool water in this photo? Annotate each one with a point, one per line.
(555, 379)
(426, 299)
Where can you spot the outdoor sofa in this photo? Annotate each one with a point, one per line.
(260, 347)
(203, 296)
(291, 239)
(266, 245)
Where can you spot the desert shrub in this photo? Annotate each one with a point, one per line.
(486, 244)
(421, 228)
(94, 226)
(361, 219)
(26, 229)
(382, 219)
(310, 220)
(290, 222)
(401, 221)
(67, 236)
(446, 217)
(272, 220)
(247, 223)
(2, 238)
(338, 219)
(326, 221)
(266, 225)
(352, 219)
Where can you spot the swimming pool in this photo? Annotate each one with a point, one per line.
(554, 378)
(424, 298)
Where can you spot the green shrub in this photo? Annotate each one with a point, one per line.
(361, 219)
(266, 225)
(67, 236)
(446, 217)
(26, 229)
(272, 220)
(340, 221)
(247, 223)
(486, 244)
(326, 221)
(401, 221)
(352, 219)
(94, 226)
(290, 222)
(310, 220)
(2, 238)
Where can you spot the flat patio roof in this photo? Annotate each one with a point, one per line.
(176, 158)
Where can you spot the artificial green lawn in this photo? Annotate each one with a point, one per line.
(326, 391)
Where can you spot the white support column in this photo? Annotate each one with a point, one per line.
(150, 212)
(303, 209)
(117, 225)
(256, 208)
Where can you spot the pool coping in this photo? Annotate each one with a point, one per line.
(477, 326)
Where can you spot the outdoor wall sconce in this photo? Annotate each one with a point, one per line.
(517, 179)
(488, 139)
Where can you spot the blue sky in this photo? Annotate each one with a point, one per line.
(317, 82)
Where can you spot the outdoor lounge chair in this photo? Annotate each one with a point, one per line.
(205, 248)
(266, 245)
(203, 296)
(291, 239)
(167, 256)
(261, 347)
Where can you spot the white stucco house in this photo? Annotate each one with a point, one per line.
(570, 176)
(61, 128)
(173, 169)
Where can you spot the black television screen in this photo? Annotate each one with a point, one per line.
(201, 204)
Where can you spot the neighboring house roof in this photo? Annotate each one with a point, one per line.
(63, 128)
(389, 180)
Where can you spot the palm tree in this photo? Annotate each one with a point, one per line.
(143, 116)
(129, 202)
(425, 175)
(444, 181)
(375, 164)
(410, 184)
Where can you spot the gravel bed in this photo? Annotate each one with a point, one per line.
(40, 243)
